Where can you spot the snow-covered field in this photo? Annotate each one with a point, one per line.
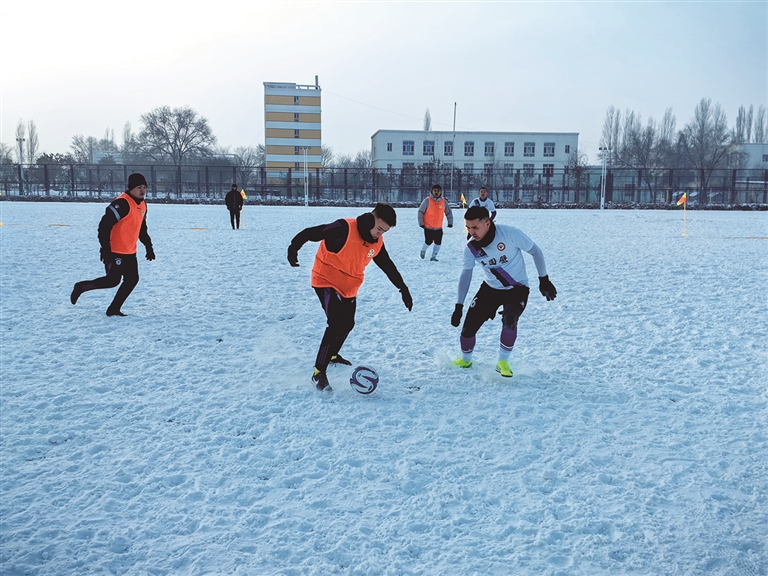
(186, 438)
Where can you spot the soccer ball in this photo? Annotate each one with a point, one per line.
(364, 380)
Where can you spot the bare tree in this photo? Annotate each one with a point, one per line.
(33, 142)
(175, 134)
(327, 156)
(761, 126)
(427, 121)
(748, 123)
(362, 159)
(248, 160)
(611, 131)
(21, 133)
(82, 148)
(578, 168)
(6, 154)
(705, 142)
(740, 129)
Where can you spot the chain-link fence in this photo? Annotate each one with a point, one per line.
(583, 186)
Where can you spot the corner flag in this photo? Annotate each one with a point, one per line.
(463, 201)
(242, 193)
(683, 199)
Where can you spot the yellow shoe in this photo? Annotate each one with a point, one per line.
(461, 363)
(502, 367)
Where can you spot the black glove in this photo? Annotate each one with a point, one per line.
(150, 253)
(450, 225)
(293, 256)
(407, 300)
(421, 225)
(105, 255)
(546, 288)
(456, 316)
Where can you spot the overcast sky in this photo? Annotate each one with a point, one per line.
(77, 67)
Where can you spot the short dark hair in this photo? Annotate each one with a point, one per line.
(386, 213)
(436, 186)
(477, 213)
(483, 187)
(234, 185)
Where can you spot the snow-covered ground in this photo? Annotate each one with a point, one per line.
(186, 438)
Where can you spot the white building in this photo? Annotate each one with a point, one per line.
(292, 126)
(754, 155)
(474, 152)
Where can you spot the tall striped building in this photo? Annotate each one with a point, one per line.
(291, 124)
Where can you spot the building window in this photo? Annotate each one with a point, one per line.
(489, 149)
(407, 147)
(469, 148)
(389, 146)
(509, 148)
(469, 168)
(408, 166)
(509, 169)
(295, 116)
(765, 157)
(529, 149)
(527, 170)
(567, 148)
(296, 134)
(549, 170)
(296, 150)
(296, 100)
(297, 165)
(448, 148)
(429, 148)
(488, 169)
(549, 149)
(389, 167)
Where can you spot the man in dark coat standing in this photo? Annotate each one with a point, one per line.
(234, 202)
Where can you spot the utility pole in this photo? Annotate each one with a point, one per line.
(605, 151)
(306, 175)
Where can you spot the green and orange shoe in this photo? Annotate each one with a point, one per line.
(502, 367)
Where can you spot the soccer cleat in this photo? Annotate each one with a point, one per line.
(76, 292)
(502, 367)
(433, 259)
(320, 380)
(461, 363)
(112, 312)
(423, 253)
(339, 359)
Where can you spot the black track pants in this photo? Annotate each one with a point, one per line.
(340, 313)
(121, 266)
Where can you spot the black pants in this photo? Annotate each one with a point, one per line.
(340, 313)
(483, 308)
(121, 266)
(234, 217)
(433, 235)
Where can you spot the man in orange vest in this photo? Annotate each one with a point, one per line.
(430, 217)
(123, 224)
(347, 246)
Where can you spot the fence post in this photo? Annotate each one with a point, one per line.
(47, 180)
(72, 179)
(318, 193)
(346, 180)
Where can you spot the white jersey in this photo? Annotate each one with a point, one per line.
(502, 260)
(487, 204)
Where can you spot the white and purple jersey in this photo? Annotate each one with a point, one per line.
(487, 204)
(502, 260)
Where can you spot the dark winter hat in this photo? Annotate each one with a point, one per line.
(136, 180)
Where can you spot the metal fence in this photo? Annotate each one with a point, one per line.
(409, 185)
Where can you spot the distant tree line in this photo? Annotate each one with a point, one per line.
(181, 136)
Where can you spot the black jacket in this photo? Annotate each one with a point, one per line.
(234, 201)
